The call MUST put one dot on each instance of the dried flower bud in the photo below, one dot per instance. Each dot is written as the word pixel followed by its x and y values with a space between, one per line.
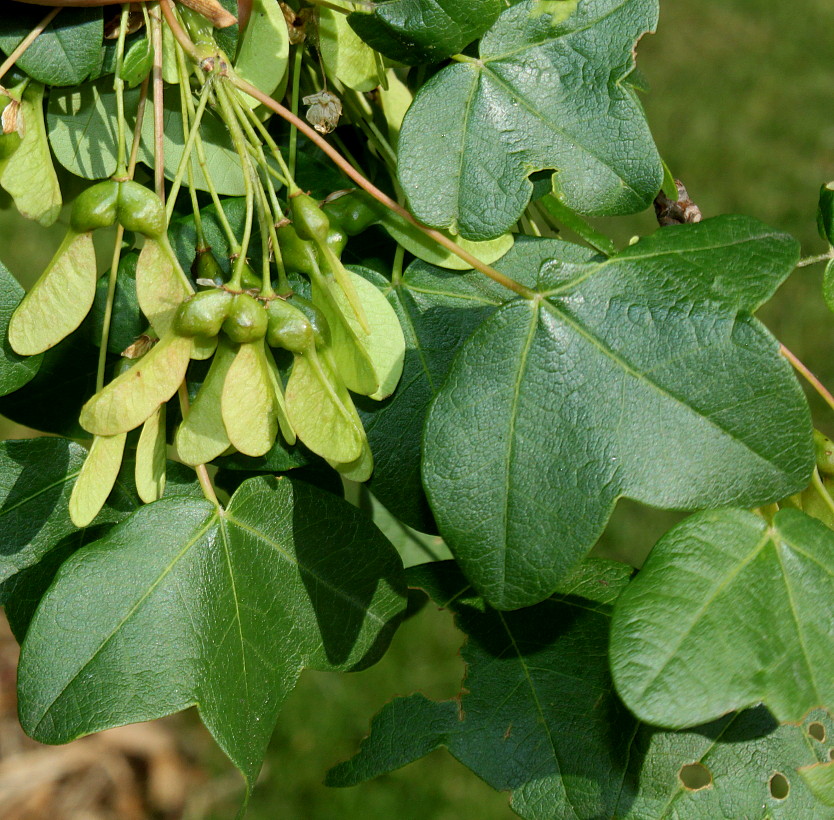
pixel 324 111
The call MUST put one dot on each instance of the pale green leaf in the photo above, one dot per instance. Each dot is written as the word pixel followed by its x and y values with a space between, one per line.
pixel 345 56
pixel 729 611
pixel 264 51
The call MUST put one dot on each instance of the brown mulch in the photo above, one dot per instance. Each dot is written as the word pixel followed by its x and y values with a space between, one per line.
pixel 137 772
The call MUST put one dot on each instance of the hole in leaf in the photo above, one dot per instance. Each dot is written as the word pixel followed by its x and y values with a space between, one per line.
pixel 779 786
pixel 831 754
pixel 695 776
pixel 817 731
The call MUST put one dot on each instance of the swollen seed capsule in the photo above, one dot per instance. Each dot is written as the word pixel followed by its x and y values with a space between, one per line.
pixel 288 327
pixel 309 220
pixel 204 313
pixel 352 212
pixel 321 330
pixel 297 254
pixel 207 267
pixel 140 210
pixel 96 207
pixel 249 279
pixel 246 321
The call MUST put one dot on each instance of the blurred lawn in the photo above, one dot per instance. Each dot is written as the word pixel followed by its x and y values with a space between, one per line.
pixel 740 104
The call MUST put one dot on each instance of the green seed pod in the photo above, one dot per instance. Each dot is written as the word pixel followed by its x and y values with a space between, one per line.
pixel 309 220
pixel 246 321
pixel 336 240
pixel 250 280
pixel 96 207
pixel 297 254
pixel 321 330
pixel 353 212
pixel 288 327
pixel 204 313
pixel 824 449
pixel 206 266
pixel 140 210
pixel 825 213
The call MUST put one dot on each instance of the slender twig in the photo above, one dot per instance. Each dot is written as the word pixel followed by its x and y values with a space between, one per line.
pixel 239 142
pixel 813 260
pixel 117 243
pixel 119 88
pixel 231 239
pixel 296 85
pixel 336 157
pixel 26 42
pixel 808 376
pixel 158 102
pixel 185 159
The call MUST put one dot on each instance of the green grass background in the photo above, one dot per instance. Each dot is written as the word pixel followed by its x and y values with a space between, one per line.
pixel 741 102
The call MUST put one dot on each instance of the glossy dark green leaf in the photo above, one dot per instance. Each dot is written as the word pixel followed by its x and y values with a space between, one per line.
pixel 437 311
pixel 424 31
pixel 36 479
pixel 539 718
pixel 52 400
pixel 21 592
pixel 65 53
pixel 15 370
pixel 547 91
pixel 219 610
pixel 641 375
pixel 729 611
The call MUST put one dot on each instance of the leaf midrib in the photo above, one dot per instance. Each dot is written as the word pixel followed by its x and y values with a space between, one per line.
pixel 632 371
pixel 212 520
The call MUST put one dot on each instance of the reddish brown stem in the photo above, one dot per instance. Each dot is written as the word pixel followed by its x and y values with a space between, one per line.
pixel 808 376
pixel 345 166
pixel 210 9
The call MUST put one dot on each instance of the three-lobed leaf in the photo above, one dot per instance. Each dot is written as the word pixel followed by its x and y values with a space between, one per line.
pixel 539 717
pixel 640 375
pixel 546 92
pixel 218 609
pixel 729 611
